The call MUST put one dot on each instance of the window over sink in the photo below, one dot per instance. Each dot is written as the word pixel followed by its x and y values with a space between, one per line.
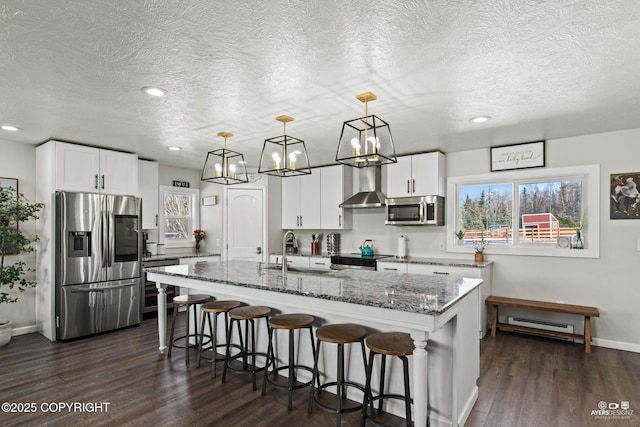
pixel 179 216
pixel 526 212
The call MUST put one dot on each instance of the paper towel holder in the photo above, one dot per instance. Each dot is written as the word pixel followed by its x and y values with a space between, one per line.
pixel 402 247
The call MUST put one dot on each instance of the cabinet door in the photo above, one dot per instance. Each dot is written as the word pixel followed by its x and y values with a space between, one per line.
pixel 77 167
pixel 118 173
pixel 298 261
pixel 320 263
pixel 335 184
pixel 310 200
pixel 148 190
pixel 290 203
pixel 399 178
pixel 428 174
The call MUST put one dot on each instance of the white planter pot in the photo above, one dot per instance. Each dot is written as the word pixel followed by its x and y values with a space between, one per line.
pixel 5 332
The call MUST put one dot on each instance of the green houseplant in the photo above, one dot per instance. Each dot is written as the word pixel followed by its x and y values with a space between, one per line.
pixel 14 209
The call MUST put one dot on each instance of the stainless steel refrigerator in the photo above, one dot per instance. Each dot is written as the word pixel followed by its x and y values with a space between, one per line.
pixel 98 263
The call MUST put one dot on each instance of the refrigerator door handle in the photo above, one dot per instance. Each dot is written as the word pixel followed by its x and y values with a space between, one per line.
pixel 107 288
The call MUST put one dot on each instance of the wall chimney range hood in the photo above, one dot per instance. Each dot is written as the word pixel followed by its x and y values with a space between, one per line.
pixel 370 194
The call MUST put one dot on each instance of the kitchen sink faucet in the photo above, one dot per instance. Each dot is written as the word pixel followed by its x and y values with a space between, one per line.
pixel 284 250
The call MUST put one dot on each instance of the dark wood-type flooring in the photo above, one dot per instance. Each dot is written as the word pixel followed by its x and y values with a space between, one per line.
pixel 525 381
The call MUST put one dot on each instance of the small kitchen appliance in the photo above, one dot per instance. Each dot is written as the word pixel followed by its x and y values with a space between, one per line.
pixel 366 250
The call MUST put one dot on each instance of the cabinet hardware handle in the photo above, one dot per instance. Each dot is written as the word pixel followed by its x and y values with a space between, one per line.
pixel 297 220
pixel 102 182
pixel 96 182
pixel 391 269
pixel 408 187
pixel 414 186
pixel 156 220
pixel 320 263
pixel 300 220
pixel 440 272
pixel 339 220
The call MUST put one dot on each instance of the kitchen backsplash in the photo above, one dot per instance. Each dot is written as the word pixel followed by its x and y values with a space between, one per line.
pixel 369 224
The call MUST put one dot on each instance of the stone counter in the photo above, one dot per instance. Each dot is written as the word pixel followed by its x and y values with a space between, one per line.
pixel 415 293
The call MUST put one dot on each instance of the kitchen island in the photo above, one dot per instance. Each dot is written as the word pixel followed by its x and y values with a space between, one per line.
pixel 440 313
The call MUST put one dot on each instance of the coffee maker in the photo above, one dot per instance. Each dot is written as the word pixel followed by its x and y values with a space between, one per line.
pixel 145 240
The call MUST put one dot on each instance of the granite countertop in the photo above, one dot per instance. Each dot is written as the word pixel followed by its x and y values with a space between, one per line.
pixel 414 293
pixel 449 262
pixel 189 254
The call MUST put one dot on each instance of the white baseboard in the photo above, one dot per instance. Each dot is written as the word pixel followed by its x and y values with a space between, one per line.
pixel 468 406
pixel 23 330
pixel 617 345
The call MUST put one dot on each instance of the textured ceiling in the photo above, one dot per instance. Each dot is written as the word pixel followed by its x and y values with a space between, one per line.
pixel 73 69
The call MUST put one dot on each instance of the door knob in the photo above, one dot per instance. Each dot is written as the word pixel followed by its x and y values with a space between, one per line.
pixel 259 250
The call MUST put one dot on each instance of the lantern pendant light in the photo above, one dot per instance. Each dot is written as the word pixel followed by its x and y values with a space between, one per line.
pixel 284 155
pixel 366 141
pixel 224 166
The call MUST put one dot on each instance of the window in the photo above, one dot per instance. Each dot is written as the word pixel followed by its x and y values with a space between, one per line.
pixel 179 215
pixel 526 212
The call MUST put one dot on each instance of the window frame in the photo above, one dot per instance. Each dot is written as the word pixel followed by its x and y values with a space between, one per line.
pixel 590 174
pixel 194 194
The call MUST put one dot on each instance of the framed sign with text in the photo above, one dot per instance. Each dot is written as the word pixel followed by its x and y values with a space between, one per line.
pixel 517 156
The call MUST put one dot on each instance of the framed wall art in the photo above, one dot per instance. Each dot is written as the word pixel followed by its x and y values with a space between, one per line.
pixel 624 198
pixel 517 156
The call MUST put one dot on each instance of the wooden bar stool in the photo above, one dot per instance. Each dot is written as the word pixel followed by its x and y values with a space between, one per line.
pixel 340 334
pixel 249 314
pixel 191 300
pixel 214 308
pixel 386 344
pixel 288 322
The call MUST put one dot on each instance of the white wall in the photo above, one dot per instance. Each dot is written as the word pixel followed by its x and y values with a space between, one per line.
pixel 19 161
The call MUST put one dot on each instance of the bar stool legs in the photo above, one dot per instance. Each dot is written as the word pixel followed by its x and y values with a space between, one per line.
pixel 387 344
pixel 289 322
pixel 190 301
pixel 214 308
pixel 339 334
pixel 249 314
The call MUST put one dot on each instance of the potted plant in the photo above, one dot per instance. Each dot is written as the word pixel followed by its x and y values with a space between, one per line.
pixel 14 209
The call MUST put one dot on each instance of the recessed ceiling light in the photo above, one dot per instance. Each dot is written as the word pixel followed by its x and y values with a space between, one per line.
pixel 175 148
pixel 480 119
pixel 154 91
pixel 10 128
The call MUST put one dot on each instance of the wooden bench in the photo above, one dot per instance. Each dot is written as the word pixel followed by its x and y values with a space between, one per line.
pixel 587 312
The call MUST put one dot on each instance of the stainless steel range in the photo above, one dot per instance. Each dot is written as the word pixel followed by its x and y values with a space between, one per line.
pixel 356 261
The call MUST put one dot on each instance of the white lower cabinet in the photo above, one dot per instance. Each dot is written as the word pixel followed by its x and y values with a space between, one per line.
pixel 302 261
pixel 431 269
pixel 197 259
pixel 392 267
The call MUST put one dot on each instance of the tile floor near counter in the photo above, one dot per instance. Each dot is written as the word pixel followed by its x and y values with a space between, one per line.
pixel 525 382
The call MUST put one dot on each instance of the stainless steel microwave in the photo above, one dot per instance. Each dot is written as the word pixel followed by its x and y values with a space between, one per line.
pixel 423 210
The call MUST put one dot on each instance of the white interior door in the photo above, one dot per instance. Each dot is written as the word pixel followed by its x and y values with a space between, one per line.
pixel 245 222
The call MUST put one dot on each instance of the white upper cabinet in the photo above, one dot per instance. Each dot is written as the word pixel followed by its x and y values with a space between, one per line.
pixel 311 202
pixel 417 175
pixel 336 184
pixel 148 191
pixel 89 169
pixel 301 201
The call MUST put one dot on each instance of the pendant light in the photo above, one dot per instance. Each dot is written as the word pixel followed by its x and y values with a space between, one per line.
pixel 284 155
pixel 366 141
pixel 224 166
